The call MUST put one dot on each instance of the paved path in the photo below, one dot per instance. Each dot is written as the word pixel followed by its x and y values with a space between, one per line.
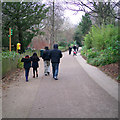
pixel 75 95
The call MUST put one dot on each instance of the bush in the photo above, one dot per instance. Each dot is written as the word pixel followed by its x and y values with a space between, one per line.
pixel 63 49
pixel 9 61
pixel 11 55
pixel 62 43
pixel 84 51
pixel 93 54
pixel 20 64
pixel 101 37
pixel 102 45
pixel 88 41
pixel 101 59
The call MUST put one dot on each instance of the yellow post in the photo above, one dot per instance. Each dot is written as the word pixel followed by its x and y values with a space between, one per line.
pixel 9 39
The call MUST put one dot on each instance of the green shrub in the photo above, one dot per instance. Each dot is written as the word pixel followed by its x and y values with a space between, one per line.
pixel 93 54
pixel 101 37
pixel 102 45
pixel 62 43
pixel 10 55
pixel 20 64
pixel 102 59
pixel 63 49
pixel 84 51
pixel 88 41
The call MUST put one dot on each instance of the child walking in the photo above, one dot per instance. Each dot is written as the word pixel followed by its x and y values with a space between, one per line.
pixel 27 65
pixel 35 65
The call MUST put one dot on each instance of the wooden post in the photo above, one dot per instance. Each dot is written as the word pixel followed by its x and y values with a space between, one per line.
pixel 10 39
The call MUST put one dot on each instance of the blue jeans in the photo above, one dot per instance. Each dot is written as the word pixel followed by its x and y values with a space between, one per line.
pixel 55 67
pixel 27 73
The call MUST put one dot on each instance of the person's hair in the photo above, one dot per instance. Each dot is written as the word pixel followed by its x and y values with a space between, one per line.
pixel 46 48
pixel 55 46
pixel 27 56
pixel 34 56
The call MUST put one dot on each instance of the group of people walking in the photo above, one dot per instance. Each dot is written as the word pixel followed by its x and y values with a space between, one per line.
pixel 75 50
pixel 53 55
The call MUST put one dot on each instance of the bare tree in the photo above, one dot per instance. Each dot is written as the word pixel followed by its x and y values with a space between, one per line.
pixel 58 21
pixel 101 11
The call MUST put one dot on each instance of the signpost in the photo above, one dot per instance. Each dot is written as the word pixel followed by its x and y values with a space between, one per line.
pixel 10 39
pixel 10 33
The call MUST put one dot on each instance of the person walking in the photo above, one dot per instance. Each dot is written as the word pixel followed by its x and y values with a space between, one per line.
pixel 74 47
pixel 46 58
pixel 35 65
pixel 27 65
pixel 70 49
pixel 74 50
pixel 77 48
pixel 55 56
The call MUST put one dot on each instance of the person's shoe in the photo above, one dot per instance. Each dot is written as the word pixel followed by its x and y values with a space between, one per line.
pixel 37 75
pixel 55 78
pixel 46 74
pixel 26 80
pixel 34 76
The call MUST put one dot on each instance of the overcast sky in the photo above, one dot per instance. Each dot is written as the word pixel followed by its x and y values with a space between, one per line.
pixel 73 17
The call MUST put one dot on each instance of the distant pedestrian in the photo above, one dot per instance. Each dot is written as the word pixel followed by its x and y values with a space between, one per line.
pixel 35 65
pixel 55 56
pixel 46 58
pixel 27 65
pixel 74 47
pixel 74 50
pixel 77 48
pixel 70 49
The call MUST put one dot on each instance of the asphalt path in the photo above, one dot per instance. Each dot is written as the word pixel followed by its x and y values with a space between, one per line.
pixel 76 94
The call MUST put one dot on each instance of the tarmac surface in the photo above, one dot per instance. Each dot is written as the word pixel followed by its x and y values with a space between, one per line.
pixel 81 91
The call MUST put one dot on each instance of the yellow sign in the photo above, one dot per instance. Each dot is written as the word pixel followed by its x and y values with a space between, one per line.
pixel 18 46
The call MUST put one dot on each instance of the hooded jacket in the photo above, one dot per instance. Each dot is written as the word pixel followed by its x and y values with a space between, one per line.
pixel 27 62
pixel 46 54
pixel 55 54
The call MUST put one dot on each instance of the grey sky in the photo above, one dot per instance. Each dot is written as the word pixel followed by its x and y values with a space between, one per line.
pixel 74 18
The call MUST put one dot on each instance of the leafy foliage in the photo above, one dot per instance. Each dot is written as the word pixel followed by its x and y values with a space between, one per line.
pixel 101 45
pixel 62 43
pixel 24 18
pixel 82 29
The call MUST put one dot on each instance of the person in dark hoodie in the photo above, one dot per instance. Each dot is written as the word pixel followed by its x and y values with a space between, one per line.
pixel 70 49
pixel 27 65
pixel 35 65
pixel 55 56
pixel 46 58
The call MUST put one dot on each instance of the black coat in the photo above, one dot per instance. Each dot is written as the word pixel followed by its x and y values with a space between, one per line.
pixel 70 48
pixel 46 55
pixel 35 62
pixel 27 62
pixel 55 55
pixel 74 47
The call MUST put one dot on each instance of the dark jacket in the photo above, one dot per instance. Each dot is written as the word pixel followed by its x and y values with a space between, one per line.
pixel 55 54
pixel 35 61
pixel 70 48
pixel 46 55
pixel 74 47
pixel 27 62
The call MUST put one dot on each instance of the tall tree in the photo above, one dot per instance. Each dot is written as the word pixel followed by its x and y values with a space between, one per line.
pixel 24 18
pixel 103 12
pixel 82 29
